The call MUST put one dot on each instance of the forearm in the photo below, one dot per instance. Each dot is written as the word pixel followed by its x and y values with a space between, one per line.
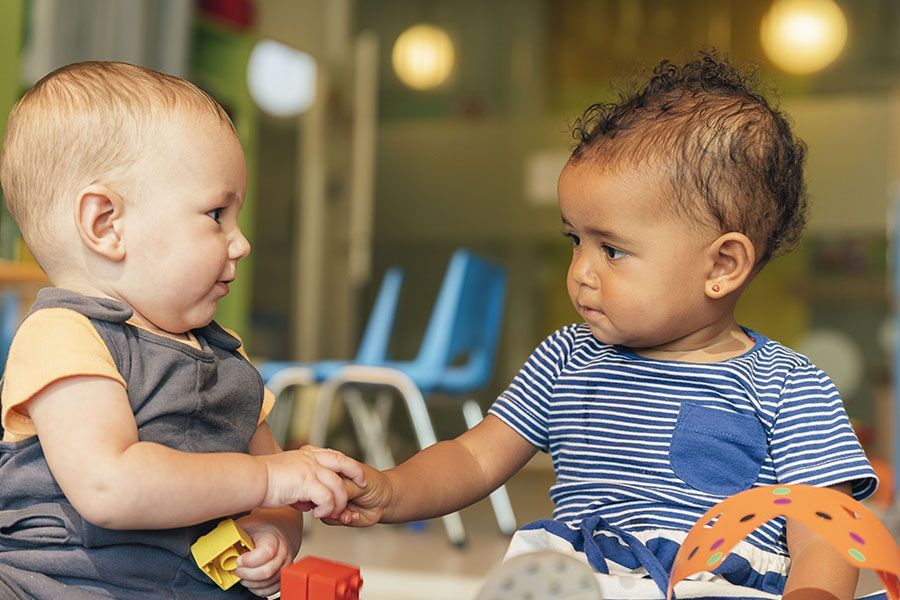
pixel 150 486
pixel 451 475
pixel 818 571
pixel 441 479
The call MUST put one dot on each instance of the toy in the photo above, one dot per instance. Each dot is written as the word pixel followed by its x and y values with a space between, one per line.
pixel 216 552
pixel 841 521
pixel 314 578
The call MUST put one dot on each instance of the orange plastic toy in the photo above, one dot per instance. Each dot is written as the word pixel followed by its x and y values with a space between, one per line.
pixel 841 521
pixel 313 578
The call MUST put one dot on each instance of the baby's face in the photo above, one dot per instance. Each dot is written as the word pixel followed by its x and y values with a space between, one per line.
pixel 181 234
pixel 637 272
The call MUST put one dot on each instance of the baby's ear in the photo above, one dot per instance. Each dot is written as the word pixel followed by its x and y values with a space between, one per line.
pixel 732 259
pixel 98 216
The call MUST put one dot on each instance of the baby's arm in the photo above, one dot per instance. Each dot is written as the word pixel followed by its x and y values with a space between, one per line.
pixel 90 439
pixel 441 478
pixel 818 571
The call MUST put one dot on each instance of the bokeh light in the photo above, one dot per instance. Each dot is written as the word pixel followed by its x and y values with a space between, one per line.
pixel 423 57
pixel 803 36
pixel 282 80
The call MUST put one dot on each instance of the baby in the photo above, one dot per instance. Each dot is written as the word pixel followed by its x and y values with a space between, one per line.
pixel 659 404
pixel 132 422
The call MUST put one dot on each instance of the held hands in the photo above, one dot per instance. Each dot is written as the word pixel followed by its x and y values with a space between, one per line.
pixel 311 478
pixel 367 505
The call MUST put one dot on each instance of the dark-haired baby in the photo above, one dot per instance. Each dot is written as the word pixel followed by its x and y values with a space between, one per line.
pixel 660 404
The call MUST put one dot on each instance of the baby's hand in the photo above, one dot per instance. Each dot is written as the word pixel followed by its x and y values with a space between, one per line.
pixel 365 505
pixel 310 478
pixel 260 568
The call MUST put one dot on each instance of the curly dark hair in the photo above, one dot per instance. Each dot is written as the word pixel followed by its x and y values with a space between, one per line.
pixel 730 157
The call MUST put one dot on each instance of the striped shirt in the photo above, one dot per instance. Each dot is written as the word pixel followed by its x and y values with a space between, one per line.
pixel 652 445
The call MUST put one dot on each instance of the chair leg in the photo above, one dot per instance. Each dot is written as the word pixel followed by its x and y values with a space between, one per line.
pixel 381 418
pixel 503 509
pixel 384 403
pixel 322 411
pixel 370 429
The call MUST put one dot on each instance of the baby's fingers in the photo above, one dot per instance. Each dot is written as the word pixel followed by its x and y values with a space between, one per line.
pixel 260 555
pixel 340 463
pixel 352 488
pixel 335 485
pixel 348 517
pixel 259 569
pixel 322 498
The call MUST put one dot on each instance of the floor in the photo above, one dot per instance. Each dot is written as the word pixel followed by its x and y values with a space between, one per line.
pixel 404 562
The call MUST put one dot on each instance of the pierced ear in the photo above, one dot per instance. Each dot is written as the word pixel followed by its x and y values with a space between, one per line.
pixel 98 217
pixel 733 259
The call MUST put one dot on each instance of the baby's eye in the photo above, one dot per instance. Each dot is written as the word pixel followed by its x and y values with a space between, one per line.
pixel 215 214
pixel 613 253
pixel 576 241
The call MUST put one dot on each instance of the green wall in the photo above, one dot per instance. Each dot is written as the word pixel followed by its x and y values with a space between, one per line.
pixel 219 65
pixel 10 47
pixel 12 16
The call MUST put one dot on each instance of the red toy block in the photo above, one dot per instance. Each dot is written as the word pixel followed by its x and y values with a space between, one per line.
pixel 314 578
pixel 295 577
pixel 335 582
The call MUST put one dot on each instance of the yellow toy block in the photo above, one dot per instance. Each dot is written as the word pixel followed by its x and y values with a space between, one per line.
pixel 216 553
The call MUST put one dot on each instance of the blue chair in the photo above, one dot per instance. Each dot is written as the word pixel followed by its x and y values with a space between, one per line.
pixel 278 376
pixel 456 358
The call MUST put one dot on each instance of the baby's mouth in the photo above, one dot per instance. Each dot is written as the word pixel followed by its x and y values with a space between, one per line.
pixel 588 311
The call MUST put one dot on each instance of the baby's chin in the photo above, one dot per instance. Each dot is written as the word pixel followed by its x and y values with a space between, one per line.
pixel 183 327
pixel 619 339
pixel 604 337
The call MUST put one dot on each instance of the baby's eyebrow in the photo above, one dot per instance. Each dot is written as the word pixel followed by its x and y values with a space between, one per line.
pixel 607 235
pixel 228 197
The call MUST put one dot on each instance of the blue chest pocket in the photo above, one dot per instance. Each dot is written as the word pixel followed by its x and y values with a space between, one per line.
pixel 717 452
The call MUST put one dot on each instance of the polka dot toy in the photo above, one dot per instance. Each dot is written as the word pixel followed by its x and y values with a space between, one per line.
pixel 839 519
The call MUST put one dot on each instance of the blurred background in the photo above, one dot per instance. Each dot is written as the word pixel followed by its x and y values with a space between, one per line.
pixel 392 132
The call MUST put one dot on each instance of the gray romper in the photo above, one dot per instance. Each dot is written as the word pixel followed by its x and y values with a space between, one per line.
pixel 206 400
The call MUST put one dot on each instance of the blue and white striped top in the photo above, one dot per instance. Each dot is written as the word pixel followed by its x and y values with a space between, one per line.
pixel 651 445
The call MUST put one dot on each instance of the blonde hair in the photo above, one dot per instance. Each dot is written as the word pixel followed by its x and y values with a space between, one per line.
pixel 84 123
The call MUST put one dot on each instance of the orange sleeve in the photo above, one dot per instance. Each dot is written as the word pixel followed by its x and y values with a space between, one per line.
pixel 268 403
pixel 51 344
pixel 268 397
